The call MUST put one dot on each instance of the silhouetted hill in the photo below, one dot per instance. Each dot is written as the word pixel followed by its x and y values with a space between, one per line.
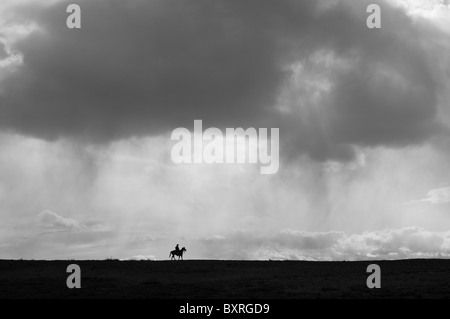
pixel 224 279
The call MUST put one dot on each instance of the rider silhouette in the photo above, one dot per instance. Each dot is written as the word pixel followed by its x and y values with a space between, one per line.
pixel 177 248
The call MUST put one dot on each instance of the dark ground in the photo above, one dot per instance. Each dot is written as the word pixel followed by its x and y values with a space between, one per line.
pixel 224 279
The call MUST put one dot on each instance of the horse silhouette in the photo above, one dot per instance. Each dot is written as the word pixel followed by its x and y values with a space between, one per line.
pixel 178 253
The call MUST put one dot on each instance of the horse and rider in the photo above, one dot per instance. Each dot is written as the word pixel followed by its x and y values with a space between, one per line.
pixel 177 252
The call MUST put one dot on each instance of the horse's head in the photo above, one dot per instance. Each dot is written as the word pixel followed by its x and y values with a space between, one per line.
pixel 183 249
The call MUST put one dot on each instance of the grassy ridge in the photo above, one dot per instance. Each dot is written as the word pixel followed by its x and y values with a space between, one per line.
pixel 224 279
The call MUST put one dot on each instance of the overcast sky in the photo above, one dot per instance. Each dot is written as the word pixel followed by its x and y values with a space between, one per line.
pixel 86 117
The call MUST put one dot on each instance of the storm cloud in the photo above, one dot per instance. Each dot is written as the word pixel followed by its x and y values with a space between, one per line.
pixel 143 68
pixel 86 118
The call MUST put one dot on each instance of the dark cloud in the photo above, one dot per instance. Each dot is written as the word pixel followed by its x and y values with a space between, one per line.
pixel 3 53
pixel 146 67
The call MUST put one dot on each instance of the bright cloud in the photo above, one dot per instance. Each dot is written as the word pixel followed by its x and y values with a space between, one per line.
pixel 437 196
pixel 435 11
pixel 387 244
pixel 51 219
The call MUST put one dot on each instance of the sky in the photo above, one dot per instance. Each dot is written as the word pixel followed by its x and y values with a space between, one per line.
pixel 86 117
